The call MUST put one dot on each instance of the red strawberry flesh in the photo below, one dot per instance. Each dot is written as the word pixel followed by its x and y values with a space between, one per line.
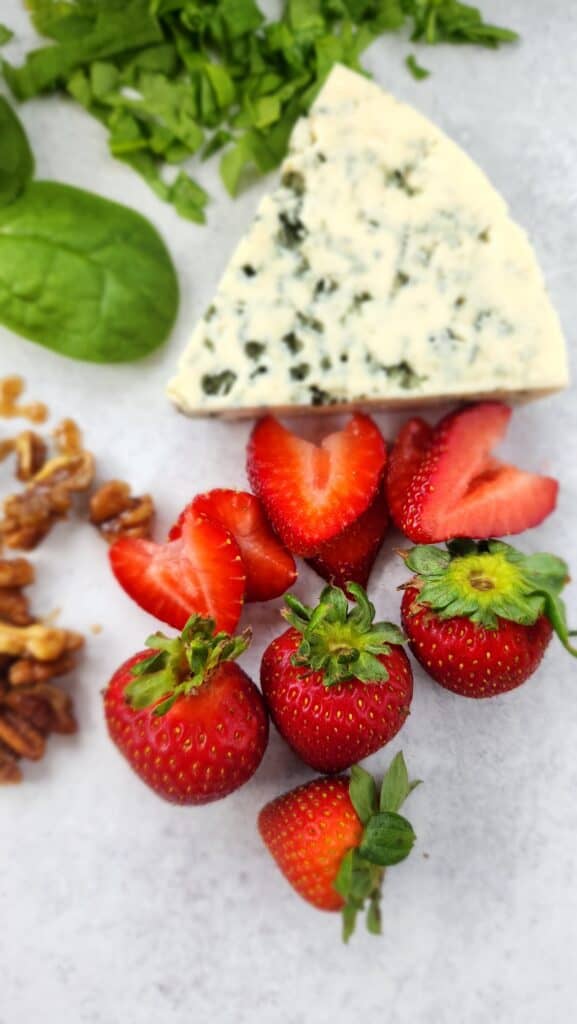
pixel 460 490
pixel 199 572
pixel 270 568
pixel 311 493
pixel 351 555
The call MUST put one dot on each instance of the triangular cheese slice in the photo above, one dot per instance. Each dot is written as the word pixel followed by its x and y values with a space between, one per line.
pixel 385 270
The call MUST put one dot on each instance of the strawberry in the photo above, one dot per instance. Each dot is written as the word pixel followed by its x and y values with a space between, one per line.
pixel 350 556
pixel 270 569
pixel 479 616
pixel 404 461
pixel 338 686
pixel 458 489
pixel 332 839
pixel 201 571
pixel 187 718
pixel 311 493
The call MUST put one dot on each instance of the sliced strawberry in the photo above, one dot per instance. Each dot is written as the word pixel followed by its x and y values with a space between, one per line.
pixel 349 557
pixel 310 492
pixel 404 461
pixel 270 568
pixel 200 572
pixel 460 490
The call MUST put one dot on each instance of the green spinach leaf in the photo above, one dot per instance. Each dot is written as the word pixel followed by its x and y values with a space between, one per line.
pixel 16 160
pixel 84 276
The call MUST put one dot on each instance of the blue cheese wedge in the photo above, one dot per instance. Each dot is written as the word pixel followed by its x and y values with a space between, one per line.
pixel 384 270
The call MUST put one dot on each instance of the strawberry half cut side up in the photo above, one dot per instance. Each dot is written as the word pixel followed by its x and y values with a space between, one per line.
pixel 200 572
pixel 270 568
pixel 185 715
pixel 333 838
pixel 460 490
pixel 351 556
pixel 310 492
pixel 479 615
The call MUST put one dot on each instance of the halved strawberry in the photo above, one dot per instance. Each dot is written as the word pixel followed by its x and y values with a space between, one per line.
pixel 349 557
pixel 460 490
pixel 310 492
pixel 201 572
pixel 404 461
pixel 270 568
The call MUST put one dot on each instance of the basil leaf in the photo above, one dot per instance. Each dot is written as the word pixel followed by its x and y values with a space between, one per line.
pixel 16 160
pixel 84 276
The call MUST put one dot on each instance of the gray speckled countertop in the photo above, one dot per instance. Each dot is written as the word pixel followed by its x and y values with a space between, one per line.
pixel 118 909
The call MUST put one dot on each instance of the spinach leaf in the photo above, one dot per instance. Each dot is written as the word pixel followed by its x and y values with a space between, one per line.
pixel 175 79
pixel 84 276
pixel 16 160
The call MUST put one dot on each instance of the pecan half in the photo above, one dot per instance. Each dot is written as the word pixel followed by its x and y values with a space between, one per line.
pixel 25 671
pixel 30 515
pixel 116 513
pixel 14 608
pixel 42 643
pixel 16 572
pixel 19 736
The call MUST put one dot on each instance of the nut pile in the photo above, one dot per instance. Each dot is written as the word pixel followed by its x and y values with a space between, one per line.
pixel 32 655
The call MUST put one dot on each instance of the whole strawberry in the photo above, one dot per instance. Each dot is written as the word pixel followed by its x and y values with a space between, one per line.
pixel 333 838
pixel 337 684
pixel 479 616
pixel 188 720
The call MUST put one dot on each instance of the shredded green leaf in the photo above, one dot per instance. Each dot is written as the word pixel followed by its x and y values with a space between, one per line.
pixel 175 79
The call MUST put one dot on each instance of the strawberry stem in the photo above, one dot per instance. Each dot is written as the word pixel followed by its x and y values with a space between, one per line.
pixel 387 839
pixel 489 580
pixel 341 642
pixel 180 665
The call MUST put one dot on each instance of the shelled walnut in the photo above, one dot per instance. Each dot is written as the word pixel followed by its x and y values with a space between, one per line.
pixel 30 514
pixel 116 513
pixel 32 654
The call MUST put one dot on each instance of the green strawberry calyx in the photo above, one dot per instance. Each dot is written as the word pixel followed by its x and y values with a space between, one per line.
pixel 180 665
pixel 387 839
pixel 489 580
pixel 340 642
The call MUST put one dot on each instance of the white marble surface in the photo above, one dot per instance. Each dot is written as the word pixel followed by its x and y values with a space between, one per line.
pixel 118 909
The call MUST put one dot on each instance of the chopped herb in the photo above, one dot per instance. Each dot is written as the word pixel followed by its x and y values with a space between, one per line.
pixel 258 372
pixel 416 69
pixel 218 383
pixel 174 79
pixel 254 349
